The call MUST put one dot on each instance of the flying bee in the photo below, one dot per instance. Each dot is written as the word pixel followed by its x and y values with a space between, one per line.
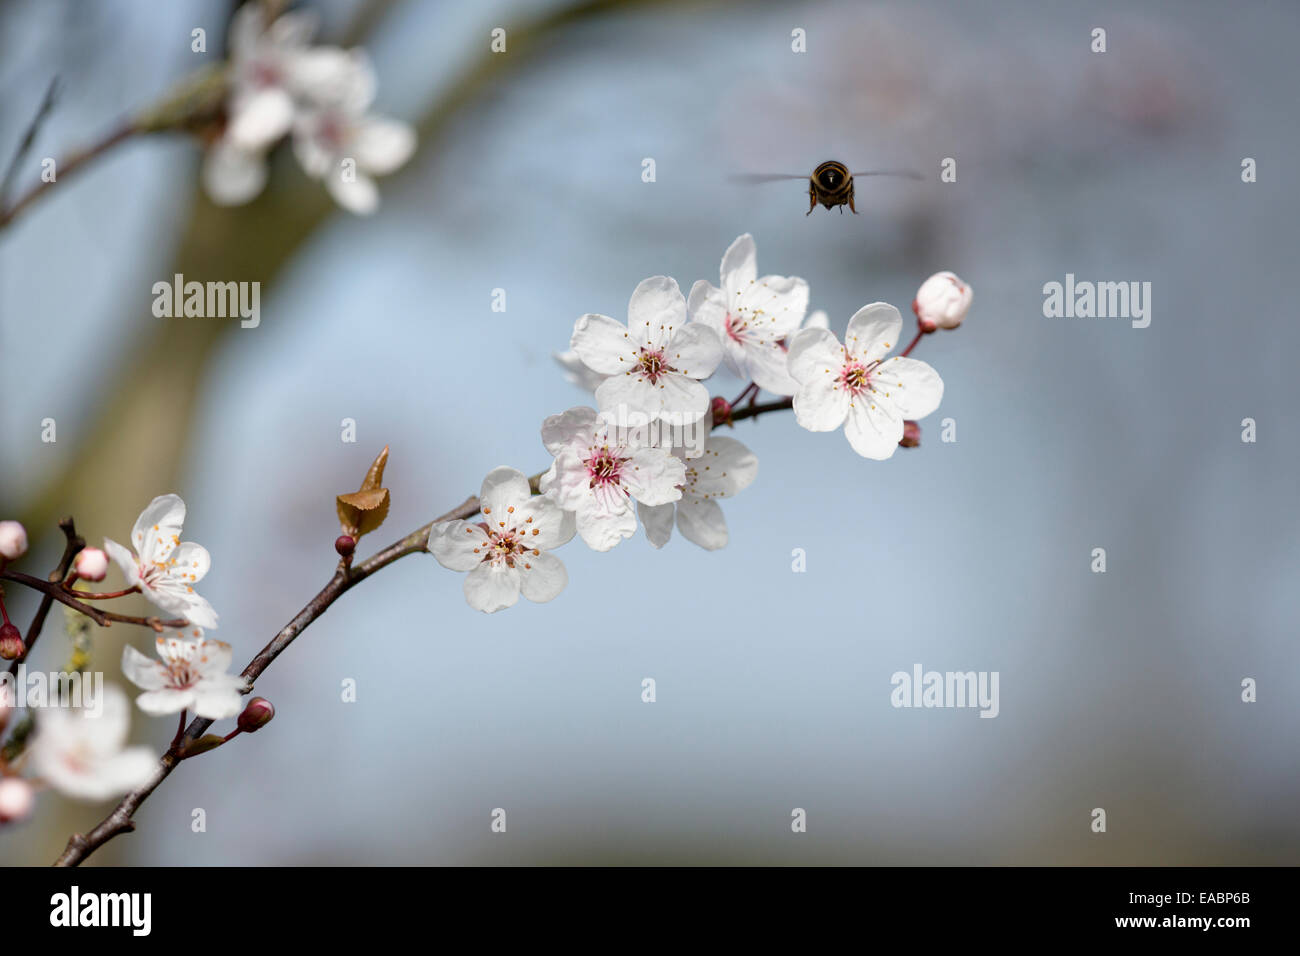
pixel 830 184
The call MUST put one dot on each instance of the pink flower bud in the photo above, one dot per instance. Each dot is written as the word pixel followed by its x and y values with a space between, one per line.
pixel 11 643
pixel 256 715
pixel 942 302
pixel 345 544
pixel 911 434
pixel 16 799
pixel 91 564
pixel 721 409
pixel 13 540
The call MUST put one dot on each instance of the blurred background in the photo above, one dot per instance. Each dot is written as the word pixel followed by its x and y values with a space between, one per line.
pixel 1118 690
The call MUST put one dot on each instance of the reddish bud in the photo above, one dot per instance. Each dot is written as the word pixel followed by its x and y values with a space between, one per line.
pixel 11 643
pixel 911 435
pixel 345 544
pixel 256 715
pixel 721 411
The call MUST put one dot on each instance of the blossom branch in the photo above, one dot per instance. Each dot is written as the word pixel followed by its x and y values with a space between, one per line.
pixel 54 591
pixel 119 820
pixel 69 165
pixel 73 544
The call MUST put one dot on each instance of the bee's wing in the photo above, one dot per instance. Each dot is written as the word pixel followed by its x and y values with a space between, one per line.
pixel 763 177
pixel 905 173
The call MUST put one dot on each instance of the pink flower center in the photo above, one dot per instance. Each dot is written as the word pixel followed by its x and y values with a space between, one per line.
pixel 735 328
pixel 181 675
pixel 604 468
pixel 506 542
pixel 265 74
pixel 653 364
pixel 856 377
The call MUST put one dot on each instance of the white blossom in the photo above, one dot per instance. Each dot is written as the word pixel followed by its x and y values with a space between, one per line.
pixel 725 468
pixel 506 553
pixel 164 568
pixel 190 674
pixel 600 471
pixel 81 752
pixel 653 363
pixel 854 385
pixel 752 316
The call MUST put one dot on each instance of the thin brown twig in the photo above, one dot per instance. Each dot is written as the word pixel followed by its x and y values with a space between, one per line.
pixel 73 543
pixel 69 165
pixel 28 138
pixel 120 819
pixel 54 590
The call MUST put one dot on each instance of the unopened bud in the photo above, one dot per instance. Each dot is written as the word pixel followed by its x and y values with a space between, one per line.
pixel 256 715
pixel 345 544
pixel 911 435
pixel 11 643
pixel 91 564
pixel 721 409
pixel 13 540
pixel 942 302
pixel 16 799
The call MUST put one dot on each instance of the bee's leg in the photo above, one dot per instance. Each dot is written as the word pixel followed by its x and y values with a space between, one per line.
pixel 851 206
pixel 812 201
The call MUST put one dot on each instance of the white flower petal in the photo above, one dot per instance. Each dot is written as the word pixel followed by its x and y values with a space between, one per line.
pixel 629 398
pixel 774 306
pixel 871 431
pixel 542 577
pixel 872 332
pixel 684 400
pixel 769 367
pixel 695 351
pixel 652 476
pixel 700 520
pixel 212 659
pixel 739 264
pixel 454 544
pixel 190 562
pixel 157 530
pixel 124 560
pixel 357 192
pixel 218 698
pixel 821 406
pixel 381 145
pixel 657 308
pixel 911 385
pixel 814 354
pixel 260 118
pixel 726 468
pixel 167 700
pixel 565 428
pixel 602 528
pixel 657 521
pixel 603 344
pixel 232 176
pixel 503 488
pixel 145 672
pixel 492 587
pixel 554 525
pixel 576 371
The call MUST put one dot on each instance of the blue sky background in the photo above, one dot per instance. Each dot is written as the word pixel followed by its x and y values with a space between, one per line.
pixel 1118 690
